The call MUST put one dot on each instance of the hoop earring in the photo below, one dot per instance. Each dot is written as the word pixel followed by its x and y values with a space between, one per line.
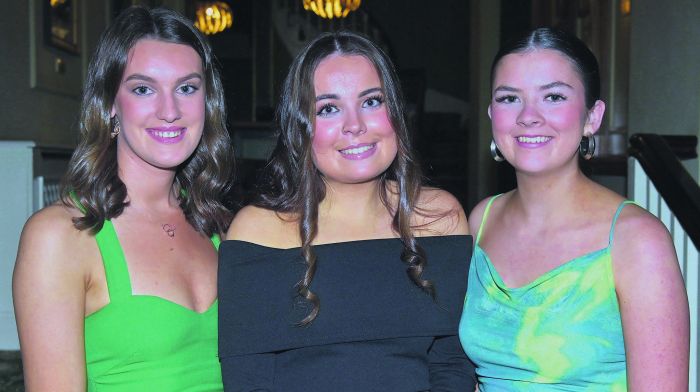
pixel 116 129
pixel 587 147
pixel 495 152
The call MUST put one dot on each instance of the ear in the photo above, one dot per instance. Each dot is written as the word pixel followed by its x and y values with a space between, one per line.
pixel 594 118
pixel 112 112
pixel 489 111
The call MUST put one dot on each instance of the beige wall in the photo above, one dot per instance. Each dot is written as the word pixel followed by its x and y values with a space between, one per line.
pixel 665 68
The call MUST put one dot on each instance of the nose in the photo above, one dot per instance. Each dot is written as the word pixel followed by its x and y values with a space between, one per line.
pixel 354 124
pixel 168 108
pixel 529 116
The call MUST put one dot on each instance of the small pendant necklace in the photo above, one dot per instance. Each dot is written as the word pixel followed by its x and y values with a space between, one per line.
pixel 169 229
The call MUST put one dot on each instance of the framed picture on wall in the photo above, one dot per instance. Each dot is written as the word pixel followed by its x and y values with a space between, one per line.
pixel 55 53
pixel 62 24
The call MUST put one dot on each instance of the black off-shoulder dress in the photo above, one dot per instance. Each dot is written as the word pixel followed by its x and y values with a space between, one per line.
pixel 376 330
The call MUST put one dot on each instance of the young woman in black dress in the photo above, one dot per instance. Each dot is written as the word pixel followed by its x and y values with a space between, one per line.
pixel 345 273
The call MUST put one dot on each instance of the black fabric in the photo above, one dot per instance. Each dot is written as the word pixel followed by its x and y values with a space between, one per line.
pixel 376 329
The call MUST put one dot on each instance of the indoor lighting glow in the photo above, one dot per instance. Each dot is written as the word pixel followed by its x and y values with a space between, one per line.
pixel 213 17
pixel 330 9
pixel 625 7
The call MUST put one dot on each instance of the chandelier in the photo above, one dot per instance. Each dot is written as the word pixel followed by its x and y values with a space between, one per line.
pixel 213 17
pixel 330 9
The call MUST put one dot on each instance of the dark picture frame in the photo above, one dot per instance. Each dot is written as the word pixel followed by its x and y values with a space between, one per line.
pixel 56 62
pixel 62 24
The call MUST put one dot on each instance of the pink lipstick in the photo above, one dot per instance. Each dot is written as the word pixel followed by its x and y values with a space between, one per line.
pixel 166 135
pixel 358 151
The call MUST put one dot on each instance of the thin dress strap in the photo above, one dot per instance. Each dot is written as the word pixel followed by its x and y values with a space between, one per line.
pixel 116 271
pixel 486 214
pixel 617 214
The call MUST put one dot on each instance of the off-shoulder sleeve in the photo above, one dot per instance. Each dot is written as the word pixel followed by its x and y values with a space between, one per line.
pixel 367 305
pixel 248 373
pixel 450 369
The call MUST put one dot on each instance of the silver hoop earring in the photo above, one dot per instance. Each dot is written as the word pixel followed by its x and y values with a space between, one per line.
pixel 587 147
pixel 495 152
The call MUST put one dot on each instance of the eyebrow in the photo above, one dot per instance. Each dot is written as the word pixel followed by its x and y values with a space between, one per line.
pixel 507 89
pixel 361 94
pixel 137 76
pixel 369 91
pixel 555 84
pixel 542 88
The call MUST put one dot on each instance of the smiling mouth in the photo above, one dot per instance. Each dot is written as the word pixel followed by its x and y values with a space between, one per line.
pixel 534 139
pixel 167 134
pixel 357 150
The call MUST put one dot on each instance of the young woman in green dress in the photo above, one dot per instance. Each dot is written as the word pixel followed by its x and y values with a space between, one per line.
pixel 115 286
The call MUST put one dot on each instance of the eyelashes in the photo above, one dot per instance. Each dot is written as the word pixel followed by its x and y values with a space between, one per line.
pixel 506 99
pixel 377 99
pixel 184 89
pixel 372 102
pixel 141 90
pixel 553 98
pixel 188 89
pixel 326 109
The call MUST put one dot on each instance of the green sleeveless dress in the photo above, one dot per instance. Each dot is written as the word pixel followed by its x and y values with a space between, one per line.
pixel 144 342
pixel 561 332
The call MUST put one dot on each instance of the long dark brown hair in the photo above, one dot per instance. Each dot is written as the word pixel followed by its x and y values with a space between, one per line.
pixel 92 176
pixel 290 183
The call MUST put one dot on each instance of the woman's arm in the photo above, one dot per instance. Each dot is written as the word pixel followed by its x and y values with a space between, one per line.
pixel 49 289
pixel 653 303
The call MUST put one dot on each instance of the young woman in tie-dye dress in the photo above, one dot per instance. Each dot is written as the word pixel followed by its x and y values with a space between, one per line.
pixel 571 288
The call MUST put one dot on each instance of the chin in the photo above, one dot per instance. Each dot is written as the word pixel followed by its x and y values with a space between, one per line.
pixel 354 180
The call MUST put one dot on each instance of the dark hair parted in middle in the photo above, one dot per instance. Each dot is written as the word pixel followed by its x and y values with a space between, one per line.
pixel 569 45
pixel 93 173
pixel 291 183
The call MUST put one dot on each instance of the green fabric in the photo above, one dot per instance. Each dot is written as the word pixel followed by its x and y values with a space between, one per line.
pixel 144 342
pixel 561 332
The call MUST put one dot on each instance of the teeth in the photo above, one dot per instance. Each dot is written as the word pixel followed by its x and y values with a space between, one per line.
pixel 358 150
pixel 536 139
pixel 167 134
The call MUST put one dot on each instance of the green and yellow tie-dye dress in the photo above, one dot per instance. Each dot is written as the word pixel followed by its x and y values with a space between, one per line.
pixel 561 332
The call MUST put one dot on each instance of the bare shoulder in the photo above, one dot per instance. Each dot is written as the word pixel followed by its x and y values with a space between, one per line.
pixel 52 228
pixel 477 214
pixel 642 251
pixel 52 253
pixel 641 241
pixel 49 238
pixel 262 226
pixel 438 212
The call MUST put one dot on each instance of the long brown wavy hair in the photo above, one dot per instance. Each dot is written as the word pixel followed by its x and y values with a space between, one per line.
pixel 291 183
pixel 92 176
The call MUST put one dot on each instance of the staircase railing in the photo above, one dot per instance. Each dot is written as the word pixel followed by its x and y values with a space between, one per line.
pixel 658 182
